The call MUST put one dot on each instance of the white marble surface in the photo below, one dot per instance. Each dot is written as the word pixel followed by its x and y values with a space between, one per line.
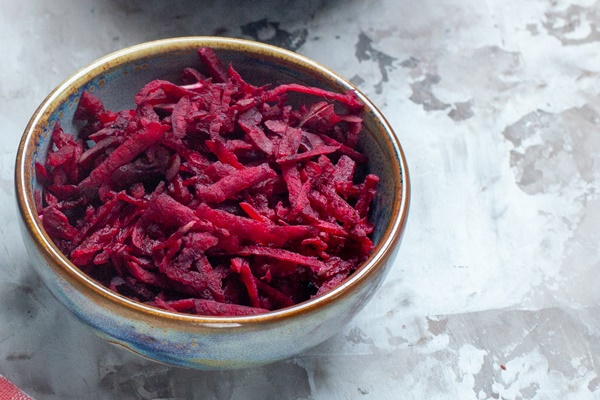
pixel 495 291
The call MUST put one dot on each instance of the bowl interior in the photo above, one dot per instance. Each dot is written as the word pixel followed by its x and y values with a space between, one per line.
pixel 118 77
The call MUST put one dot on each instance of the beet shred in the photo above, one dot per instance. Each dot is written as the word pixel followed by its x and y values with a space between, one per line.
pixel 213 196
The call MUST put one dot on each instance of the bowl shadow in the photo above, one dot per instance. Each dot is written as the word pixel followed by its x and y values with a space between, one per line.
pixel 282 24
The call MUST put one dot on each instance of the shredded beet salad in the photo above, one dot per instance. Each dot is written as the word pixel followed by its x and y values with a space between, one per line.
pixel 212 196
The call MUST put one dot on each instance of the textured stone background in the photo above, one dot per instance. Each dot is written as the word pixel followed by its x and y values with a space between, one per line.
pixel 494 293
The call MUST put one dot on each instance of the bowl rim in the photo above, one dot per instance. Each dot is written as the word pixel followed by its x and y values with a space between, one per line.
pixel 68 271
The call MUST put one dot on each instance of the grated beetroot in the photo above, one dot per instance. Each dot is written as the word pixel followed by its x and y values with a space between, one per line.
pixel 214 197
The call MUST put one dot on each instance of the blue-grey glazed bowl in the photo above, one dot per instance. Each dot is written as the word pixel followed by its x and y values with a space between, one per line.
pixel 198 341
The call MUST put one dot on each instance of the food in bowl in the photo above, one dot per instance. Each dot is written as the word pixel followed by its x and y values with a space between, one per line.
pixel 205 341
pixel 213 196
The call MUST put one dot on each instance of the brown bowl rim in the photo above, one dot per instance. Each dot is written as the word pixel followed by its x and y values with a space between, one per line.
pixel 96 291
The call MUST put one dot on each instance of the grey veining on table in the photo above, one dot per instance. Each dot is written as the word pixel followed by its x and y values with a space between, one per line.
pixel 495 291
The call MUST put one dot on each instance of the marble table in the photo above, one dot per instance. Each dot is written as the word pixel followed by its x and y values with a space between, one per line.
pixel 494 293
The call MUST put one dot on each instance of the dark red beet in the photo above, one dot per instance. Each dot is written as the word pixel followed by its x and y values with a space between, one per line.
pixel 249 122
pixel 215 197
pixel 213 64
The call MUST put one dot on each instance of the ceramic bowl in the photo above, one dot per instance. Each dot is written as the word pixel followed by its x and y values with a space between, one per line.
pixel 198 341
